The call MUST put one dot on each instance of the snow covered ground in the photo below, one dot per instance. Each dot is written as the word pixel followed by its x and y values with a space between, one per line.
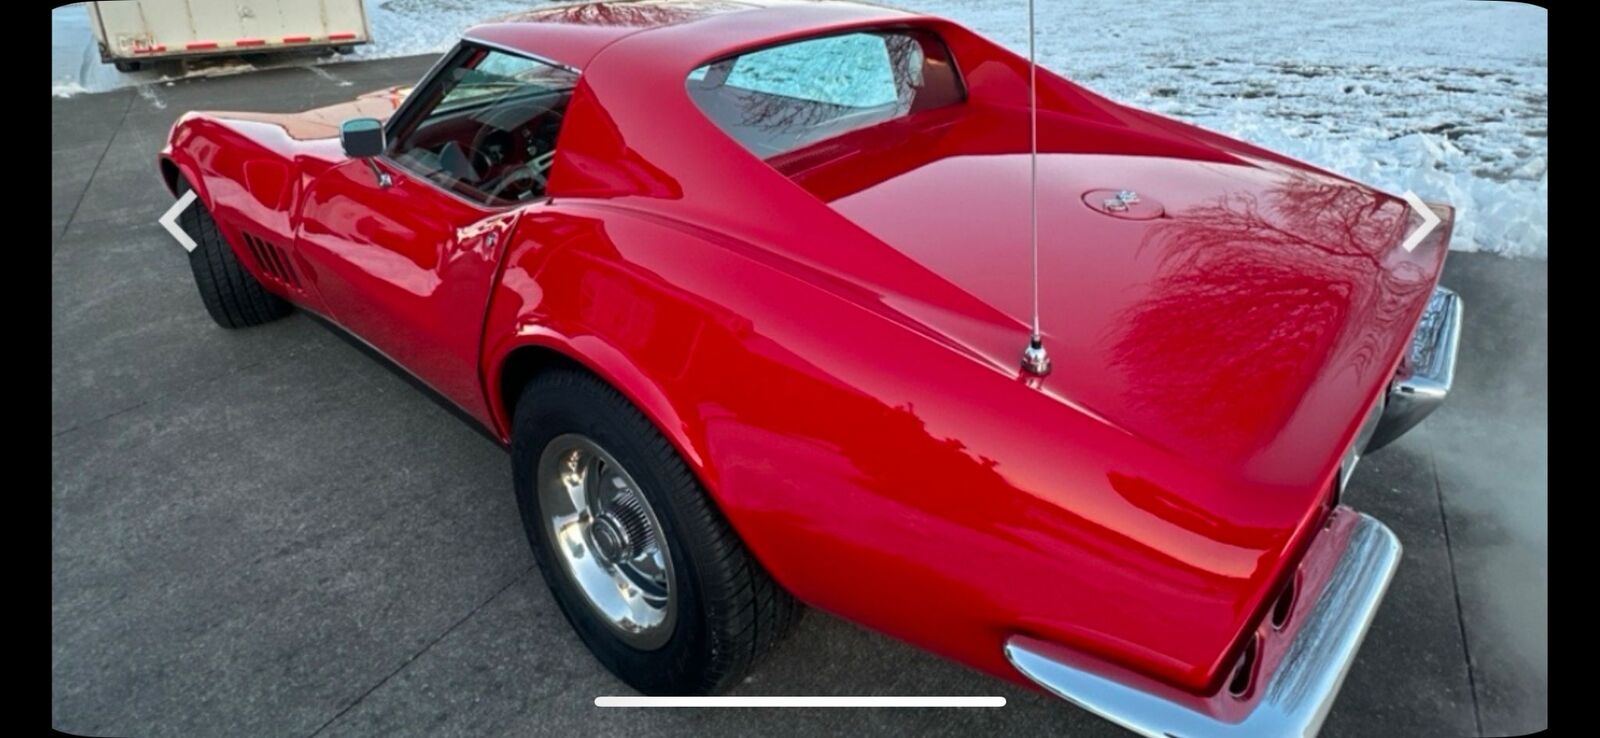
pixel 1448 98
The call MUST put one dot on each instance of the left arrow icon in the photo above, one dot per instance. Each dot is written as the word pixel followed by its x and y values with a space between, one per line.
pixel 169 221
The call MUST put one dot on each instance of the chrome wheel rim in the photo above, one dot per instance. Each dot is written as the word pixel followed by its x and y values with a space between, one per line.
pixel 608 539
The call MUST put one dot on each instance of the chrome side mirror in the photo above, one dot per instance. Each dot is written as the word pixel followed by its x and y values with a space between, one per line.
pixel 363 138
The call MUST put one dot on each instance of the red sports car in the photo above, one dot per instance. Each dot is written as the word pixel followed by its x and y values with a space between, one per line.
pixel 743 286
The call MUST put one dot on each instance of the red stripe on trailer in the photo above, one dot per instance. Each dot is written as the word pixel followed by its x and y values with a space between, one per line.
pixel 149 49
pixel 201 45
pixel 296 39
pixel 250 42
pixel 340 36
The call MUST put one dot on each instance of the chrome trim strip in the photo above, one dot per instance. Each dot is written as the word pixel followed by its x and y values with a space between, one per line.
pixel 403 108
pixel 1433 369
pixel 1298 694
pixel 522 53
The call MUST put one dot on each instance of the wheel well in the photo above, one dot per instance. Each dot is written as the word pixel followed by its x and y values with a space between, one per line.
pixel 169 174
pixel 521 366
pixel 526 363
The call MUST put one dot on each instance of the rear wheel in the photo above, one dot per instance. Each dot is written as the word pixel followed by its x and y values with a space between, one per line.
pixel 637 556
pixel 233 297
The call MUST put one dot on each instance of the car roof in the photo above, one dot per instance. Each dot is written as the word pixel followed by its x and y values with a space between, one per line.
pixel 573 34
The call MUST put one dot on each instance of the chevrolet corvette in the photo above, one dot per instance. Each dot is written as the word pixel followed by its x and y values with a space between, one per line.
pixel 742 286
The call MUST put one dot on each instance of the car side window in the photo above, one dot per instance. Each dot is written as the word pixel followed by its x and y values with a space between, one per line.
pixel 781 98
pixel 853 71
pixel 488 124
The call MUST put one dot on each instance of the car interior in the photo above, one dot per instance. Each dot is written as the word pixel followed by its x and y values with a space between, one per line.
pixel 490 134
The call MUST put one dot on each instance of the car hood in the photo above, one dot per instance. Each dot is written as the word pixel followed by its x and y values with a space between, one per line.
pixel 323 122
pixel 1243 312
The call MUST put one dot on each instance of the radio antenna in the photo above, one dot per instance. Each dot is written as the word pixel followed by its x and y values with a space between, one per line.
pixel 1035 360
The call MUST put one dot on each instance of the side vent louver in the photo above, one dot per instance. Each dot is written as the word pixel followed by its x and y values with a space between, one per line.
pixel 273 260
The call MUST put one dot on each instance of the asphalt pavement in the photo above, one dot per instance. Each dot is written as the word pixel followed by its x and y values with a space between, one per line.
pixel 263 532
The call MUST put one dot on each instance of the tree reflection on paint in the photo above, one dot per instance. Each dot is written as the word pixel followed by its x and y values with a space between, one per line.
pixel 1253 298
pixel 632 14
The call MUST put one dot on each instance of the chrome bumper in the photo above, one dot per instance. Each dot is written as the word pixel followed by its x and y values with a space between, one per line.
pixel 1299 691
pixel 1433 368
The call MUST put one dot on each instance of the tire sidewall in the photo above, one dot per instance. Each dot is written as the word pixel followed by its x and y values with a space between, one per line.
pixel 232 296
pixel 545 412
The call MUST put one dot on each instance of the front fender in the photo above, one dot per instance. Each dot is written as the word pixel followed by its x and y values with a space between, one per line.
pixel 178 154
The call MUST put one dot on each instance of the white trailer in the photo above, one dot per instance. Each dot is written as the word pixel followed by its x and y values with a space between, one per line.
pixel 132 32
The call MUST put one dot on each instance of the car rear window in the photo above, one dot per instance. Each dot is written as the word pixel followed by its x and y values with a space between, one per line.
pixel 782 98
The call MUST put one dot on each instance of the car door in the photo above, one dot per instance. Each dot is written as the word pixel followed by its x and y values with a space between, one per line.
pixel 405 247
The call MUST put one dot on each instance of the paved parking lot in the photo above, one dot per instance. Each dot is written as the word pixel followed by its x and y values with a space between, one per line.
pixel 263 532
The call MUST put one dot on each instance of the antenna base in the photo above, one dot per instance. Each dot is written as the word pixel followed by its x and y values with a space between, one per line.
pixel 1035 360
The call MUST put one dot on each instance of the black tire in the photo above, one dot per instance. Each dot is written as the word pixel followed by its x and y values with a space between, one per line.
pixel 729 611
pixel 128 66
pixel 231 294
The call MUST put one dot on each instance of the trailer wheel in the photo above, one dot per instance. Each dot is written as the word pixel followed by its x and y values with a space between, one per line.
pixel 126 66
pixel 344 50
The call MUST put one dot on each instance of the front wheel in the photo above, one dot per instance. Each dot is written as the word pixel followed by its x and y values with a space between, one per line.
pixel 233 296
pixel 637 556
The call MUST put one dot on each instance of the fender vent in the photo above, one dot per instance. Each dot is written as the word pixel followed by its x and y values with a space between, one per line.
pixel 274 262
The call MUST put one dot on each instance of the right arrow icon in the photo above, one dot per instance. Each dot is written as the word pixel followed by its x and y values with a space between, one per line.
pixel 1430 221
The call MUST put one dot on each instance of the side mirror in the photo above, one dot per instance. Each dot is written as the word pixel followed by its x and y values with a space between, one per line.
pixel 361 137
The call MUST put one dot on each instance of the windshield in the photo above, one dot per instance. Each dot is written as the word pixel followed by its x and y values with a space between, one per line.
pixel 499 75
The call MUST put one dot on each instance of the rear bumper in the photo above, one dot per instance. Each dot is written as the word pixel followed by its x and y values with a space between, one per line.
pixel 1432 363
pixel 1304 664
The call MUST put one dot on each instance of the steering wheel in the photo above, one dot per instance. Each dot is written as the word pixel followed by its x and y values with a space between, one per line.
pixel 535 172
pixel 523 173
pixel 485 141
